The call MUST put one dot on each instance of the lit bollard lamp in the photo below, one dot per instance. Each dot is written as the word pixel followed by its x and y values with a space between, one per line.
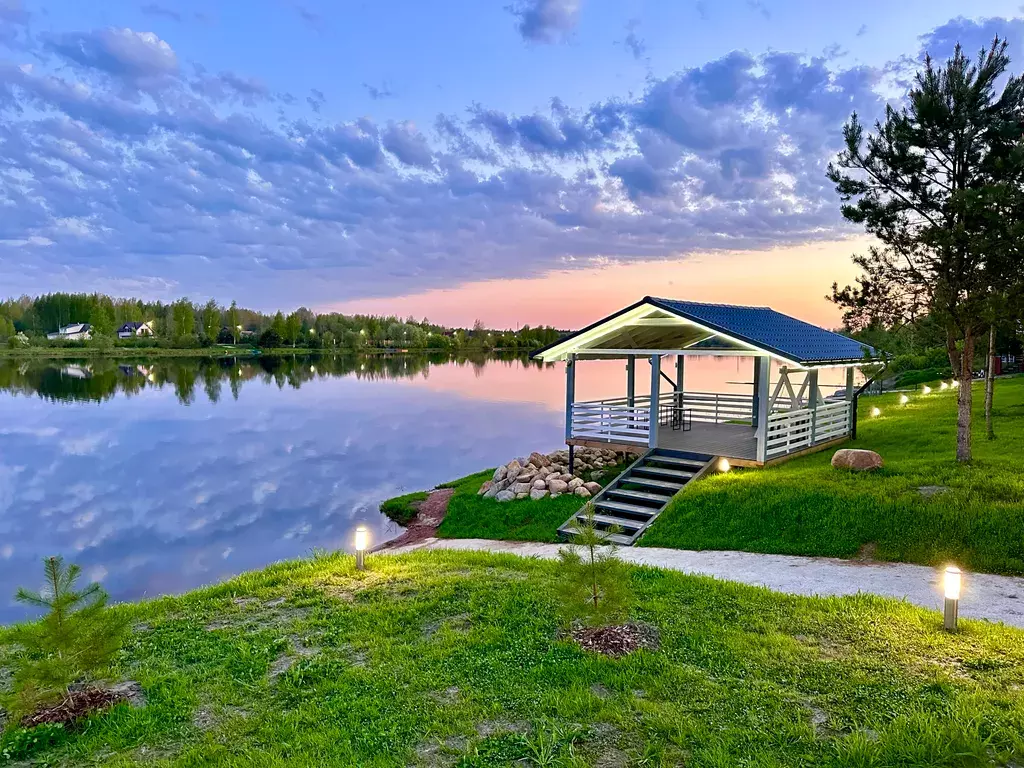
pixel 362 539
pixel 951 610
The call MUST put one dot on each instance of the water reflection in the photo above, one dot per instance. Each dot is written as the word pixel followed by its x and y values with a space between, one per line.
pixel 160 475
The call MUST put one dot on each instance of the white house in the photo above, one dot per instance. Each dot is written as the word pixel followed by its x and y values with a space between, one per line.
pixel 72 332
pixel 130 329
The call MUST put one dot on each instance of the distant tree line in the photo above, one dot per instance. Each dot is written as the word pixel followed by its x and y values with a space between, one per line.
pixel 186 324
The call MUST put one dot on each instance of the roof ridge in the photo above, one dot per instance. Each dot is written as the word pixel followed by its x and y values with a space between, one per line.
pixel 714 304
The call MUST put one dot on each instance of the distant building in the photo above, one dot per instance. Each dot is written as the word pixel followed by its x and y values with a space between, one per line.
pixel 130 329
pixel 72 332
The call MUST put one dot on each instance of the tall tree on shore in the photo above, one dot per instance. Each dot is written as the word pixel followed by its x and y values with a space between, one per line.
pixel 921 184
pixel 183 317
pixel 211 319
pixel 234 320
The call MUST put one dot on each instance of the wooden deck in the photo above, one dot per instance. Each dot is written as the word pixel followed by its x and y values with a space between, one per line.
pixel 736 442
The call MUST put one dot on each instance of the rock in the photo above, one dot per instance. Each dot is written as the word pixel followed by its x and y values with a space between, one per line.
pixel 543 472
pixel 485 488
pixel 555 495
pixel 513 468
pixel 540 483
pixel 492 492
pixel 538 493
pixel 582 492
pixel 518 488
pixel 499 474
pixel 566 476
pixel 593 487
pixel 856 459
pixel 505 495
pixel 539 459
pixel 525 477
pixel 574 483
pixel 522 495
pixel 556 485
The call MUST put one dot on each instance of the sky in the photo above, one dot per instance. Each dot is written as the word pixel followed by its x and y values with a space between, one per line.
pixel 532 161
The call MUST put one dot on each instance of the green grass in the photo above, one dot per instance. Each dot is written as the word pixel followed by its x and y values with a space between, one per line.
pixel 806 507
pixel 453 659
pixel 402 509
pixel 471 516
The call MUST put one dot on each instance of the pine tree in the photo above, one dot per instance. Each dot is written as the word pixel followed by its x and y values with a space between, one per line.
pixel 593 586
pixel 75 642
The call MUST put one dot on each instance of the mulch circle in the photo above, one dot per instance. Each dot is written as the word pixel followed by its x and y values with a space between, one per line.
pixel 619 640
pixel 77 705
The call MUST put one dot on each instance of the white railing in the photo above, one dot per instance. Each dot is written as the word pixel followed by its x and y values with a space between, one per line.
pixel 612 420
pixel 794 430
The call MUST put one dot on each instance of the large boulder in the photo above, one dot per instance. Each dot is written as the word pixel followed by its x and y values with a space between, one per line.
pixel 485 488
pixel 538 493
pixel 499 473
pixel 505 495
pixel 518 488
pixel 592 487
pixel 582 492
pixel 540 483
pixel 557 486
pixel 856 460
pixel 539 459
pixel 574 483
pixel 491 492
pixel 513 468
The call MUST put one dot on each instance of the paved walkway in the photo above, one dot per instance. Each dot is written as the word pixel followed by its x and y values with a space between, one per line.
pixel 995 598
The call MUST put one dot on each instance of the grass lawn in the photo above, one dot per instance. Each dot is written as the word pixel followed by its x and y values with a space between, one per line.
pixel 806 507
pixel 471 516
pixel 452 659
pixel 402 509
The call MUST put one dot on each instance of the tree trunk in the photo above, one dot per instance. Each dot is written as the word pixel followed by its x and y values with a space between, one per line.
pixel 990 382
pixel 965 399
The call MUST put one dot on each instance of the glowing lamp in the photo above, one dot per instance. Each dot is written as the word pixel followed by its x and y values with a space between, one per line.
pixel 904 399
pixel 926 389
pixel 955 384
pixel 876 411
pixel 312 369
pixel 362 539
pixel 951 583
pixel 943 385
pixel 723 465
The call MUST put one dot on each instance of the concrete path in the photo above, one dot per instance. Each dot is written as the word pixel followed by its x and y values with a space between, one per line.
pixel 995 598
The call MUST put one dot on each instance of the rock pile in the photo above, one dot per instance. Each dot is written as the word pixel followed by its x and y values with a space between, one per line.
pixel 543 475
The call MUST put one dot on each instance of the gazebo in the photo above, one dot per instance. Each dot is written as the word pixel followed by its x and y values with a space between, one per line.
pixel 684 433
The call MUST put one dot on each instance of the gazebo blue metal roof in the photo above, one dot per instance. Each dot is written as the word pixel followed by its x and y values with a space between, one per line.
pixel 711 328
pixel 773 331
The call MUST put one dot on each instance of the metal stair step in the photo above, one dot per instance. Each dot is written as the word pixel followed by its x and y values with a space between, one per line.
pixel 676 461
pixel 622 522
pixel 658 498
pixel 649 482
pixel 620 506
pixel 615 538
pixel 661 472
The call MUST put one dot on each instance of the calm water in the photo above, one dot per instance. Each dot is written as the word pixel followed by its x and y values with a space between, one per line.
pixel 161 476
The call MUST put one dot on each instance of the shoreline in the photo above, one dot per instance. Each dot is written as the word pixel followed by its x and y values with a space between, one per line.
pixel 63 353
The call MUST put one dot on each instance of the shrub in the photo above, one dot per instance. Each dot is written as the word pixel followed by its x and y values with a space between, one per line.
pixel 270 339
pixel 73 643
pixel 592 584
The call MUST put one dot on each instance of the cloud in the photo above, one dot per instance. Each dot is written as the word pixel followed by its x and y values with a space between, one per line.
pixel 155 9
pixel 973 36
pixel 383 91
pixel 633 42
pixel 138 58
pixel 546 21
pixel 189 190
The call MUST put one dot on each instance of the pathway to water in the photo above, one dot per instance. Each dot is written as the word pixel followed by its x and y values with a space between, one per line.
pixel 985 596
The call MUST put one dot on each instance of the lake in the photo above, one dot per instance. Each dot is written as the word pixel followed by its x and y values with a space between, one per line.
pixel 162 475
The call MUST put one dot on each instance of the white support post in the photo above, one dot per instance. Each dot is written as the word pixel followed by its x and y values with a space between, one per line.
pixel 631 381
pixel 812 400
pixel 754 409
pixel 652 436
pixel 763 374
pixel 851 428
pixel 570 393
pixel 680 387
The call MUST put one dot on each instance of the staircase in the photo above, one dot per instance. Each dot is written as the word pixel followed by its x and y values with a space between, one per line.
pixel 635 498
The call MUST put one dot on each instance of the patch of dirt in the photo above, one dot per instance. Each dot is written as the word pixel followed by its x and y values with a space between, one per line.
pixel 440 754
pixel 618 640
pixel 286 660
pixel 866 554
pixel 458 623
pixel 612 757
pixel 204 719
pixel 819 722
pixel 449 695
pixel 932 490
pixel 428 518
pixel 487 728
pixel 85 701
pixel 600 691
pixel 140 627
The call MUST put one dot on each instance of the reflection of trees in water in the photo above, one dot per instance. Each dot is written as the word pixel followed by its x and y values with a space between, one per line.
pixel 98 380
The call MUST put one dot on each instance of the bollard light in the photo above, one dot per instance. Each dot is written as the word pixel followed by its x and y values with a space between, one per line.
pixel 951 585
pixel 362 539
pixel 723 465
pixel 943 385
pixel 904 399
pixel 955 384
pixel 926 389
pixel 876 411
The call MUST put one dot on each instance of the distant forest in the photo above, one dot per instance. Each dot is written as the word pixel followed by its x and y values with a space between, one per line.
pixel 184 324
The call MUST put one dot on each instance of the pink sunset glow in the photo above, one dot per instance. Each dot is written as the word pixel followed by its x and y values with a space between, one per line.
pixel 793 280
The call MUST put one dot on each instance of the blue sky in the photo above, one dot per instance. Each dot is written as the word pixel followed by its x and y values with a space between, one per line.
pixel 283 152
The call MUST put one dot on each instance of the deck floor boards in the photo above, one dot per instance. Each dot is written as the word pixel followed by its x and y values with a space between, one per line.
pixel 733 441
